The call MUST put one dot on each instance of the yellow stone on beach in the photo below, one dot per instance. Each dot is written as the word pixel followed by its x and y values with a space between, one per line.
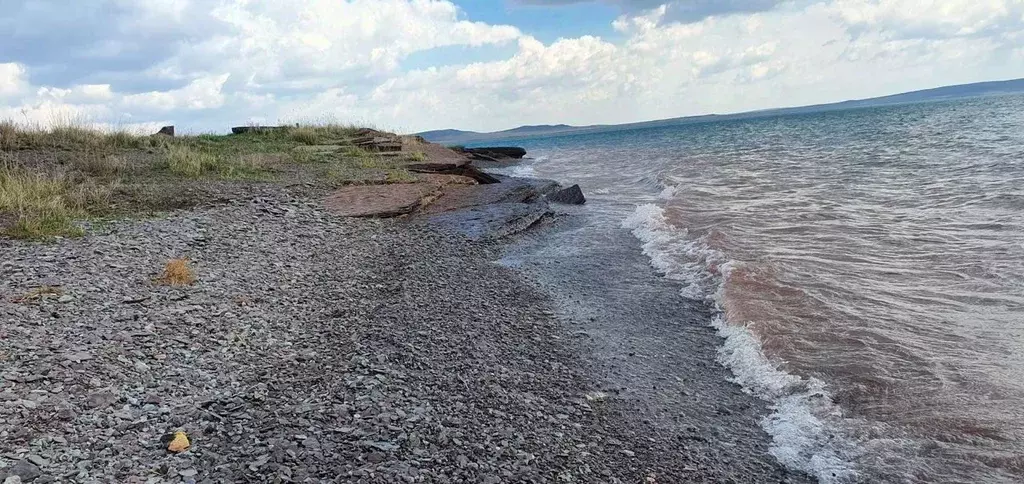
pixel 179 443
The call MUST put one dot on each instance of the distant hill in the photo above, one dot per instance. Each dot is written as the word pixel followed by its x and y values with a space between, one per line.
pixel 454 136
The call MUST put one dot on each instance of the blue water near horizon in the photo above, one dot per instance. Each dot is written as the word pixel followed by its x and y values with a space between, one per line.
pixel 867 267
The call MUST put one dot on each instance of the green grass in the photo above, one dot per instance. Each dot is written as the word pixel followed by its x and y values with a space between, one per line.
pixel 197 162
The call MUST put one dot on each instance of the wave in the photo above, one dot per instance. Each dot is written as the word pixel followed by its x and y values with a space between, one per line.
pixel 801 408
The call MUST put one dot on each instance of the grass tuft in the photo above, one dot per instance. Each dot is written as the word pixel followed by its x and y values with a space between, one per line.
pixel 177 273
pixel 38 293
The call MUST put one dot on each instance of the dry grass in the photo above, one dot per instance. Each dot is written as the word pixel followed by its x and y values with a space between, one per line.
pixel 177 272
pixel 69 134
pixel 38 293
pixel 322 133
pixel 417 156
pixel 42 205
pixel 101 165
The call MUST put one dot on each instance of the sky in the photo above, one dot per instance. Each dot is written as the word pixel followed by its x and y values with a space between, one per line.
pixel 414 65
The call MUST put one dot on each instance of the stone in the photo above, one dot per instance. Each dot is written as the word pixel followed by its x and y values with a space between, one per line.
pixel 455 167
pixel 166 131
pixel 13 480
pixel 508 190
pixel 569 196
pixel 37 460
pixel 491 222
pixel 25 470
pixel 256 129
pixel 100 400
pixel 65 299
pixel 381 201
pixel 495 153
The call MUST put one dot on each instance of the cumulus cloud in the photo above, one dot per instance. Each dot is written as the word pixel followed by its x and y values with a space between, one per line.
pixel 210 64
pixel 11 79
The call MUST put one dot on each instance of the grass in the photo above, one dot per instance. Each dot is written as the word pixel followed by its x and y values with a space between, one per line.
pixel 51 178
pixel 70 135
pixel 177 272
pixel 417 156
pixel 197 162
pixel 38 293
pixel 43 204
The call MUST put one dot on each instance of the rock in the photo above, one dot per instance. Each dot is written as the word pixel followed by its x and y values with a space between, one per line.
pixel 24 470
pixel 490 222
pixel 379 144
pixel 495 153
pixel 13 480
pixel 39 461
pixel 65 299
pixel 381 201
pixel 509 190
pixel 100 400
pixel 165 131
pixel 569 196
pixel 188 473
pixel 458 167
pixel 257 129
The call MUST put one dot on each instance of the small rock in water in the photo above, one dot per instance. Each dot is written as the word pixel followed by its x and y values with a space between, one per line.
pixel 569 196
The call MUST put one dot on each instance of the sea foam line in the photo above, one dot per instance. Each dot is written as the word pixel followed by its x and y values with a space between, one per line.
pixel 801 439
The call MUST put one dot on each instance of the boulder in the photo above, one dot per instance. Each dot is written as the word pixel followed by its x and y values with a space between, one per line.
pixel 569 196
pixel 165 131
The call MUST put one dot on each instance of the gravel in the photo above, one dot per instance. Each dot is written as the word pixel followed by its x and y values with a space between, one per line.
pixel 312 348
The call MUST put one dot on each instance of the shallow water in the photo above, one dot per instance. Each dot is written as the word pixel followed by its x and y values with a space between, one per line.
pixel 867 265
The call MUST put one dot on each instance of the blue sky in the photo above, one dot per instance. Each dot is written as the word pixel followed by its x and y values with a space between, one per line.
pixel 412 65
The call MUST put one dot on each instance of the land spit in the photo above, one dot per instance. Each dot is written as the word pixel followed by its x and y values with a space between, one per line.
pixel 318 348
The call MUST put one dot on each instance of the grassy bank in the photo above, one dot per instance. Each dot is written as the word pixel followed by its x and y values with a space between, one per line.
pixel 51 179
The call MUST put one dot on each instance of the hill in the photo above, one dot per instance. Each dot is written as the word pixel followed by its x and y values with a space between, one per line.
pixel 454 136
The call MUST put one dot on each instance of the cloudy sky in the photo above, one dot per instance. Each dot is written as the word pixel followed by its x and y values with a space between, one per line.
pixel 412 65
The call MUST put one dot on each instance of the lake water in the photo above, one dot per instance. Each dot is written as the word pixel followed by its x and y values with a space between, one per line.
pixel 867 267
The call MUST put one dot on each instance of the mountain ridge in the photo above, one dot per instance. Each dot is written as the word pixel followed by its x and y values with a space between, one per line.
pixel 957 91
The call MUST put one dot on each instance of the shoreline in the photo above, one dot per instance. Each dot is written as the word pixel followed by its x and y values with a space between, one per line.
pixel 320 348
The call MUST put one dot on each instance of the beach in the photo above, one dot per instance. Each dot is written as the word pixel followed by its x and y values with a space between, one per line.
pixel 318 348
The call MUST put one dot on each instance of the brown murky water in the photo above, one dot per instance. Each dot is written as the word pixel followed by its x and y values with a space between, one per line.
pixel 868 265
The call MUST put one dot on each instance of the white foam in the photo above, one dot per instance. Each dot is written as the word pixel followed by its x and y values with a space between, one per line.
pixel 669 192
pixel 801 437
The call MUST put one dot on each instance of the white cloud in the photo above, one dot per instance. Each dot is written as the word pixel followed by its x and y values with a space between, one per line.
pixel 202 93
pixel 11 79
pixel 288 60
